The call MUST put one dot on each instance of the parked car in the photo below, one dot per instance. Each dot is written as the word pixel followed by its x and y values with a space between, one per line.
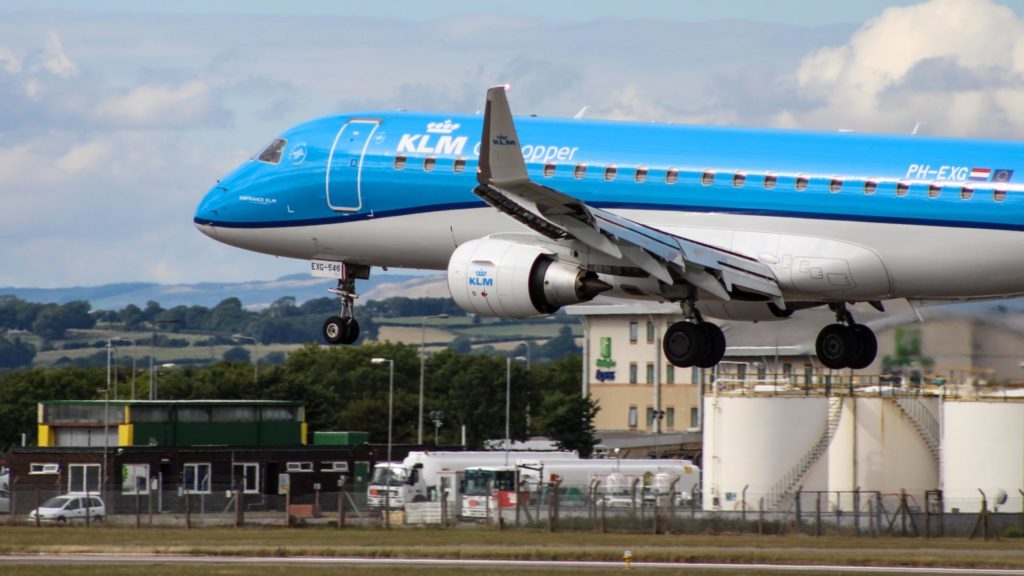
pixel 5 501
pixel 70 507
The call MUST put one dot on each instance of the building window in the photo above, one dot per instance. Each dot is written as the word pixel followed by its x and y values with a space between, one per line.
pixel 738 179
pixel 694 417
pixel 579 171
pixel 83 478
pixel 632 372
pixel 334 467
pixel 247 476
pixel 650 417
pixel 633 332
pixel 671 176
pixel 650 332
pixel 670 418
pixel 549 170
pixel 399 162
pixel 632 416
pixel 787 372
pixel 870 186
pixel 43 468
pixel 770 180
pixel 741 372
pixel 459 165
pixel 299 467
pixel 707 178
pixel 695 375
pixel 762 372
pixel 609 173
pixel 135 479
pixel 650 373
pixel 641 175
pixel 197 478
pixel 670 374
pixel 801 183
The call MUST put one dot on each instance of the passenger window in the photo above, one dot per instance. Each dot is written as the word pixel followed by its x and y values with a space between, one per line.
pixel 428 163
pixel 902 188
pixel 934 190
pixel 272 153
pixel 609 173
pixel 671 176
pixel 770 180
pixel 707 178
pixel 738 180
pixel 641 175
pixel 801 183
pixel 870 186
pixel 999 195
pixel 459 165
pixel 399 162
pixel 835 185
pixel 549 170
pixel 579 171
pixel 966 193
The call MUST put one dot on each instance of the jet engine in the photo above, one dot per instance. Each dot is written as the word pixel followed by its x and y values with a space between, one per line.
pixel 512 279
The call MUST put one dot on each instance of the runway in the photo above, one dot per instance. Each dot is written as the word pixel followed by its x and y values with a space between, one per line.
pixel 179 559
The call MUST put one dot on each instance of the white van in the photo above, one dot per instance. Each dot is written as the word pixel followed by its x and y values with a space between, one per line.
pixel 70 507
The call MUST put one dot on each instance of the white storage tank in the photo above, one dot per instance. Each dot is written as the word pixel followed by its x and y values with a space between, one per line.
pixel 983 447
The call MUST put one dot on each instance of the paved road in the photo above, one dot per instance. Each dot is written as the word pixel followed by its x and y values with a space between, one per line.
pixel 150 559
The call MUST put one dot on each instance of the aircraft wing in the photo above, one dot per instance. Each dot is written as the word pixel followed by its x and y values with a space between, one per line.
pixel 674 260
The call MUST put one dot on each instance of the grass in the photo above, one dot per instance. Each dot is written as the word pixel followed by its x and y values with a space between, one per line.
pixel 522 544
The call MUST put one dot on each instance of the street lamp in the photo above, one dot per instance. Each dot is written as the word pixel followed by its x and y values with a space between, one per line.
pixel 391 395
pixel 508 399
pixel 152 350
pixel 255 356
pixel 423 362
pixel 657 415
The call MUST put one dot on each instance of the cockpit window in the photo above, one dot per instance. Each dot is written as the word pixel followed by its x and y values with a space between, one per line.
pixel 272 153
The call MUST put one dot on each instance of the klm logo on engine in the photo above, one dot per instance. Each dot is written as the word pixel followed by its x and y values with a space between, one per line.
pixel 438 140
pixel 481 279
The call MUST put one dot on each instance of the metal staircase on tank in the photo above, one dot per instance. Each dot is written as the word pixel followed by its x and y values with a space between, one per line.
pixel 783 489
pixel 923 421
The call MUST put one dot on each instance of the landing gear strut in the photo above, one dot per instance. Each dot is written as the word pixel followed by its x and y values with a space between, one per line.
pixel 846 344
pixel 693 342
pixel 343 329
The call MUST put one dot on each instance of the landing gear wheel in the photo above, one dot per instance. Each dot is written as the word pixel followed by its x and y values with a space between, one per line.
pixel 867 344
pixel 836 345
pixel 683 344
pixel 350 330
pixel 714 346
pixel 334 329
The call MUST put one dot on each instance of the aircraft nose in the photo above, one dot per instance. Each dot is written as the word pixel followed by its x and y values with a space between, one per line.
pixel 210 209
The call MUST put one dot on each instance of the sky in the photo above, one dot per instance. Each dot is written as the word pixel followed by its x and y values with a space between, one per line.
pixel 116 116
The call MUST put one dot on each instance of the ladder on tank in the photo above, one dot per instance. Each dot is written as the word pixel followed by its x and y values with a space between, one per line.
pixel 785 486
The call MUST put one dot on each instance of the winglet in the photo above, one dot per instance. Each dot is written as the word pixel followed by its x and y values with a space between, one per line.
pixel 501 155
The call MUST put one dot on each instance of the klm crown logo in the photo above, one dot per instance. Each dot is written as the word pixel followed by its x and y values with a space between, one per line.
pixel 446 127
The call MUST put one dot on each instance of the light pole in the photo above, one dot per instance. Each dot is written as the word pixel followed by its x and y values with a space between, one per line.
pixel 152 350
pixel 423 362
pixel 658 415
pixel 391 395
pixel 438 417
pixel 508 400
pixel 106 422
pixel 255 356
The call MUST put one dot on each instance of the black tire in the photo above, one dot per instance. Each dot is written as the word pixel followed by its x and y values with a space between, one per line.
pixel 867 347
pixel 835 346
pixel 62 520
pixel 334 330
pixel 350 330
pixel 714 346
pixel 683 344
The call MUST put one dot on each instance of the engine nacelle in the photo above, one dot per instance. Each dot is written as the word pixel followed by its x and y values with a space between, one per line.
pixel 743 311
pixel 510 279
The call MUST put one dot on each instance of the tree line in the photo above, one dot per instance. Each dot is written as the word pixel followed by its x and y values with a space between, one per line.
pixel 343 390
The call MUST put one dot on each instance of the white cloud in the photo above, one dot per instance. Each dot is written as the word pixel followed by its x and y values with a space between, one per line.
pixel 957 64
pixel 167 105
pixel 9 62
pixel 54 60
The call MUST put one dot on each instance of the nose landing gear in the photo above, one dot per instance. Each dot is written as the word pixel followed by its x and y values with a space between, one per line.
pixel 846 344
pixel 344 329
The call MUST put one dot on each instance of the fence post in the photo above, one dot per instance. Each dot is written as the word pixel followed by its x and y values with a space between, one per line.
pixel 444 508
pixel 553 506
pixel 138 507
pixel 88 508
pixel 288 507
pixel 341 503
pixel 760 515
pixel 817 514
pixel 839 513
pixel 149 501
pixel 632 495
pixel 799 512
pixel 743 504
pixel 238 504
pixel 604 518
pixel 188 510
pixel 856 511
pixel 13 510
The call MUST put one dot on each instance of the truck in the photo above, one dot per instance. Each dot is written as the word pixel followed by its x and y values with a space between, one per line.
pixel 621 482
pixel 416 478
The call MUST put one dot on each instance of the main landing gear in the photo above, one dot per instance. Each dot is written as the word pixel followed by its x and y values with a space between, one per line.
pixel 693 342
pixel 343 329
pixel 846 344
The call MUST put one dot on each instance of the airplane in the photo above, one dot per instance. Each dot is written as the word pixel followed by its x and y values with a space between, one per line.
pixel 530 214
